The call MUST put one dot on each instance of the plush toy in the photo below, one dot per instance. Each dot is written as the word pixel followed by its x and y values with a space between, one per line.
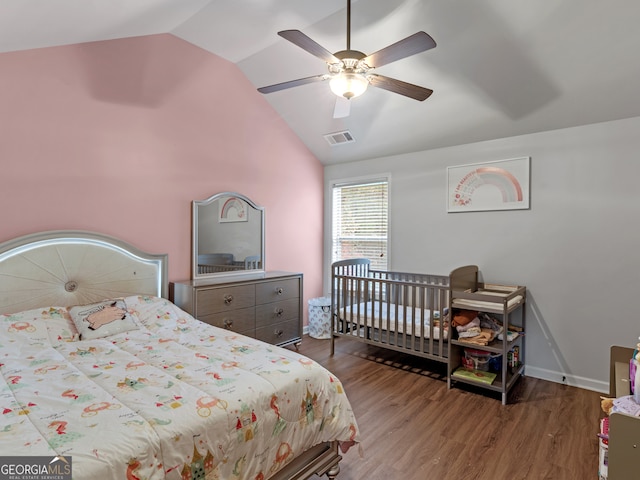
pixel 606 404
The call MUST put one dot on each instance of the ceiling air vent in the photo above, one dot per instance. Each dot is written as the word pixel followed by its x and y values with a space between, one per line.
pixel 338 138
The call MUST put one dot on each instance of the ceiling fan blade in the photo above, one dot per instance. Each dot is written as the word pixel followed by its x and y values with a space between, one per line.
pixel 300 39
pixel 342 108
pixel 292 83
pixel 396 86
pixel 416 43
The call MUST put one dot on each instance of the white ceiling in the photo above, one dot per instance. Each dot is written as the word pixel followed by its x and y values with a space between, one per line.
pixel 500 68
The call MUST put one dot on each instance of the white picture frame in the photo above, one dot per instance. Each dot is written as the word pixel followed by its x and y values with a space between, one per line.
pixel 486 186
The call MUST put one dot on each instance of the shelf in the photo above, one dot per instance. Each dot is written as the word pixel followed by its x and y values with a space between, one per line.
pixel 496 346
pixel 494 299
pixel 496 385
pixel 489 298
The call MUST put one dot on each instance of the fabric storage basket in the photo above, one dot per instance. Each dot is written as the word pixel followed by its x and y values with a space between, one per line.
pixel 320 317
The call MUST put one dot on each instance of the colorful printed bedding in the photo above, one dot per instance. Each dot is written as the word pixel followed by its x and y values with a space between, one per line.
pixel 174 398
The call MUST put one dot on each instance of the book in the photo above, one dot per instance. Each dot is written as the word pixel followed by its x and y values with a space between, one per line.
pixel 475 375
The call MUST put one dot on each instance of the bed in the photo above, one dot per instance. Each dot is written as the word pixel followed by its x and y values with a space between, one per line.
pixel 406 312
pixel 162 397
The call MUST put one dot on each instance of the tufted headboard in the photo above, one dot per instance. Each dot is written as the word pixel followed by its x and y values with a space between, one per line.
pixel 70 267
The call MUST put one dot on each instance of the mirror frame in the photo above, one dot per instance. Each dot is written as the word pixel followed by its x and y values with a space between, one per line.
pixel 196 204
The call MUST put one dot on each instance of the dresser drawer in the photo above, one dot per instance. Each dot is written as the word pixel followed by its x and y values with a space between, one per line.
pixel 275 291
pixel 268 308
pixel 272 313
pixel 223 299
pixel 283 332
pixel 240 321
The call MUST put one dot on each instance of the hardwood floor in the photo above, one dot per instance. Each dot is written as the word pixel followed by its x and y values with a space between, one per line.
pixel 413 428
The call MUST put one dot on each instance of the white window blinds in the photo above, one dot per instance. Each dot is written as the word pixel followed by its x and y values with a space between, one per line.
pixel 360 222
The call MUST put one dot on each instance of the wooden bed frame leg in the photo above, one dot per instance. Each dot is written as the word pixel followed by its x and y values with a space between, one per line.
pixel 333 472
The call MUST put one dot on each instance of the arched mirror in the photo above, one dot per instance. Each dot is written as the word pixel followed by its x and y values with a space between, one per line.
pixel 227 237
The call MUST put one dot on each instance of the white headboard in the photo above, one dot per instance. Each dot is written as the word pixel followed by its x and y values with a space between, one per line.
pixel 69 267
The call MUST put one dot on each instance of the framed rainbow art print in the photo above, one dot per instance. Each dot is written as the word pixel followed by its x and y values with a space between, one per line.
pixel 496 185
pixel 233 210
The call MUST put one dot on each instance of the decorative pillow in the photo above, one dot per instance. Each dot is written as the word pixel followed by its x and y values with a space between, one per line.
pixel 102 319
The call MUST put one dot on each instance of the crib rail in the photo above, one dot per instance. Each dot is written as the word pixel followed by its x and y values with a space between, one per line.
pixel 219 268
pixel 399 311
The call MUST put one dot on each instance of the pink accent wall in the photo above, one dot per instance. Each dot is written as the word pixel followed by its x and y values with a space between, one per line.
pixel 120 136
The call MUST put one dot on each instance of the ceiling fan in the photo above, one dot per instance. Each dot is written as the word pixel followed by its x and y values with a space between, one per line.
pixel 350 71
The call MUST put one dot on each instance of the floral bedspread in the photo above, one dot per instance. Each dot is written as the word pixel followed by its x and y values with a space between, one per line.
pixel 174 399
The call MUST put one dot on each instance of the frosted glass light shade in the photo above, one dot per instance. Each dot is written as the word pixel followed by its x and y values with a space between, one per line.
pixel 348 85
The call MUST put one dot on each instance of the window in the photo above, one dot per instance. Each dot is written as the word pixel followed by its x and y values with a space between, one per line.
pixel 360 221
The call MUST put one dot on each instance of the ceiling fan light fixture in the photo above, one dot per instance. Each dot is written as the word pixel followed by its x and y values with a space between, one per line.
pixel 348 85
pixel 349 70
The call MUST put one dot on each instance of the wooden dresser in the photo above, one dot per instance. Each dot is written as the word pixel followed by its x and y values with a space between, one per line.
pixel 267 308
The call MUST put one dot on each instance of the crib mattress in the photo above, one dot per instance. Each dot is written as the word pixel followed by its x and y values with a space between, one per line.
pixel 396 318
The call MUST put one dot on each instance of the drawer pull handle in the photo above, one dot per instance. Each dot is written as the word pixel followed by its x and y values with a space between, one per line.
pixel 228 323
pixel 279 311
pixel 278 333
pixel 279 290
pixel 228 299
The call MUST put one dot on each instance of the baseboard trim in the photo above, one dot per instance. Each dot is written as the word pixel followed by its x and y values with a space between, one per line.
pixel 573 380
pixel 551 376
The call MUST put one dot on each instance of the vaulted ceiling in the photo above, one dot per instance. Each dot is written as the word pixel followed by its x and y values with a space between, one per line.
pixel 501 67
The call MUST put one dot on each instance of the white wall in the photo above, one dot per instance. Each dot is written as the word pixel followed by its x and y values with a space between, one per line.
pixel 575 249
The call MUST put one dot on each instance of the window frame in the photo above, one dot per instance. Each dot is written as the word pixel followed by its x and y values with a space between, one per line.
pixel 355 181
